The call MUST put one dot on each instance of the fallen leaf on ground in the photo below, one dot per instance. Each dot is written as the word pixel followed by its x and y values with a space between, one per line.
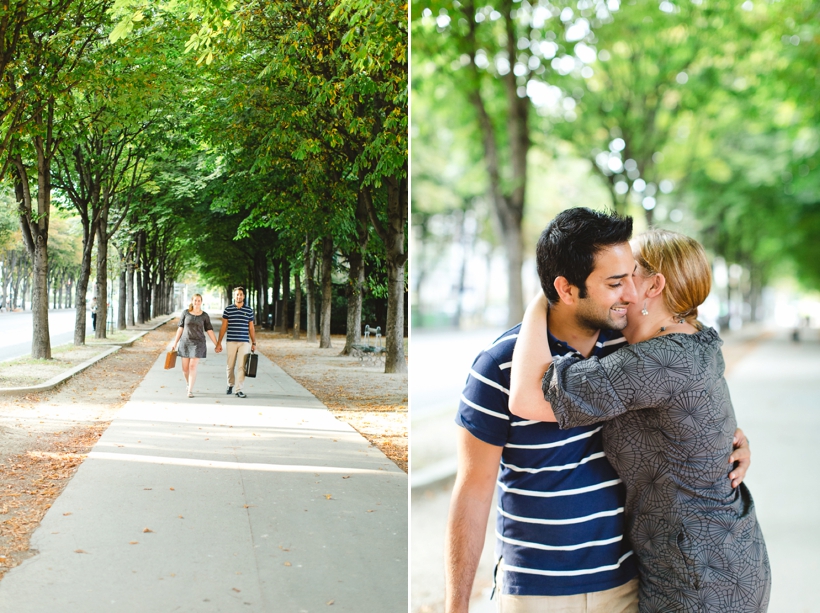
pixel 147 530
pixel 133 542
pixel 79 551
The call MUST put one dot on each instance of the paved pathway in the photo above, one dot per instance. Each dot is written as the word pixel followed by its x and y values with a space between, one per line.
pixel 776 395
pixel 221 504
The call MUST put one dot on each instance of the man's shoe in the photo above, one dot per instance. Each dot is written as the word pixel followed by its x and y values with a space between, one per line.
pixel 240 394
pixel 229 391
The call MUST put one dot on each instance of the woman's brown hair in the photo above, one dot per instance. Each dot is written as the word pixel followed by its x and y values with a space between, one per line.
pixel 682 261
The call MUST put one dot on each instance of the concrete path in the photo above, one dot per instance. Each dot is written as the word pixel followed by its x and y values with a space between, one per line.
pixel 776 395
pixel 222 504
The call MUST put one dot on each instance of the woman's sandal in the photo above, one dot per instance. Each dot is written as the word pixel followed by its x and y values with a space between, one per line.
pixel 190 395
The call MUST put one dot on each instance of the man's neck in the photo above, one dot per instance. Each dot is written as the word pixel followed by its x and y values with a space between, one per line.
pixel 238 304
pixel 563 325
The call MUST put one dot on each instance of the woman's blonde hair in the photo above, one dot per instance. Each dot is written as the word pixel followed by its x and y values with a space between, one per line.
pixel 191 306
pixel 682 261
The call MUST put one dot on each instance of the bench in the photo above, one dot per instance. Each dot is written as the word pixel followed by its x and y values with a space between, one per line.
pixel 370 352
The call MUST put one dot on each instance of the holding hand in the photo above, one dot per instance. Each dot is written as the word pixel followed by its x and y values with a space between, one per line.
pixel 741 457
pixel 218 348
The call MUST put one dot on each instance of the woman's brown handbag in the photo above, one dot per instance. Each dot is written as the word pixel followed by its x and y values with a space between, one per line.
pixel 170 360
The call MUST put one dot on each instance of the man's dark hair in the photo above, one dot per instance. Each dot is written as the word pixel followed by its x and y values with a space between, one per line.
pixel 568 245
pixel 242 288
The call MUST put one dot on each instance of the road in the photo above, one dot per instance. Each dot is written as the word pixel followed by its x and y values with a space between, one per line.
pixel 16 329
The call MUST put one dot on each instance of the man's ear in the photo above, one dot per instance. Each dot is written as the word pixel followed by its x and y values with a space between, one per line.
pixel 567 293
pixel 658 283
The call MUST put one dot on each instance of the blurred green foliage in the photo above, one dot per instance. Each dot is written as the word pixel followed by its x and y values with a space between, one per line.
pixel 699 116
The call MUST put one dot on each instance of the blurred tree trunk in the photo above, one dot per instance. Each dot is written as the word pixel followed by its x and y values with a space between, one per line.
pixel 507 197
pixel 327 290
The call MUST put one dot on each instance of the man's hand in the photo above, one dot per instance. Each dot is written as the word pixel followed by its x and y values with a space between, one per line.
pixel 218 347
pixel 741 458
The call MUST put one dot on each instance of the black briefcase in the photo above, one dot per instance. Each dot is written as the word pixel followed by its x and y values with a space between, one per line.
pixel 251 362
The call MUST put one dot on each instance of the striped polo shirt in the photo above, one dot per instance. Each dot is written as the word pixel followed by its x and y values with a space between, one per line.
pixel 559 521
pixel 238 320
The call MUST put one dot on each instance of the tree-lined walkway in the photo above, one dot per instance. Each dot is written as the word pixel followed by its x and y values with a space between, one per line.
pixel 264 145
pixel 221 504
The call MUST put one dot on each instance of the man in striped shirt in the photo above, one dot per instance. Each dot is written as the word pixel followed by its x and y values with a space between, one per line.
pixel 237 322
pixel 560 542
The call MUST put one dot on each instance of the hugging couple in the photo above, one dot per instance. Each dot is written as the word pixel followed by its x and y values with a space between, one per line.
pixel 621 465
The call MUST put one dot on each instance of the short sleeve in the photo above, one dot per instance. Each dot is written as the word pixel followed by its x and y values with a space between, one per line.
pixel 182 318
pixel 207 322
pixel 484 406
pixel 640 376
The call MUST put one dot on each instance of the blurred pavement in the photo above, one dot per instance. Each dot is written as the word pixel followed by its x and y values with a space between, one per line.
pixel 775 387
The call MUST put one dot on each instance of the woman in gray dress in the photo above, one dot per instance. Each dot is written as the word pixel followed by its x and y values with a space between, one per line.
pixel 190 340
pixel 668 429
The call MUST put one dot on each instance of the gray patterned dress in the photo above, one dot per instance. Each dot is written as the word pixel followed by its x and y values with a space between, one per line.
pixel 698 543
pixel 192 342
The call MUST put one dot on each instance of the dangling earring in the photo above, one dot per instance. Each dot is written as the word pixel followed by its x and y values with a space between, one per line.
pixel 644 311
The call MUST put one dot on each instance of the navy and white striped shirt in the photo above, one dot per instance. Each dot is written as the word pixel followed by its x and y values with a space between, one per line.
pixel 238 320
pixel 560 525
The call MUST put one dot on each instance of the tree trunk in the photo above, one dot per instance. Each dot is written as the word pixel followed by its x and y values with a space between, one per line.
pixel 275 307
pixel 23 293
pixel 123 299
pixel 34 227
pixel 80 307
pixel 355 279
pixel 310 262
pixel 508 196
pixel 129 292
pixel 393 237
pixel 285 295
pixel 102 273
pixel 327 290
pixel 72 283
pixel 297 305
pixel 154 296
pixel 138 268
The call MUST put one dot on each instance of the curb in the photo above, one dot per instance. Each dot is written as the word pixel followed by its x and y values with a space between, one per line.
pixel 55 381
pixel 161 323
pixel 127 343
pixel 434 474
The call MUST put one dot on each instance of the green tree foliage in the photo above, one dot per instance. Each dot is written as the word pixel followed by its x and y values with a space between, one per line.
pixel 699 116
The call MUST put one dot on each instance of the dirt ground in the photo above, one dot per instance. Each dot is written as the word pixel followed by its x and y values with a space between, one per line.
pixel 44 437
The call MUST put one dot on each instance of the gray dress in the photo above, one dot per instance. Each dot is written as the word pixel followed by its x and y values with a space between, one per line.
pixel 192 342
pixel 697 539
